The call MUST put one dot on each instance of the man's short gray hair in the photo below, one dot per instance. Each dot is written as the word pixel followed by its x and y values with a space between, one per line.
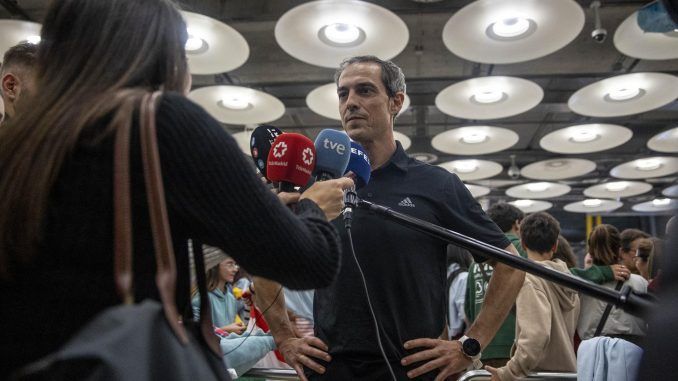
pixel 391 75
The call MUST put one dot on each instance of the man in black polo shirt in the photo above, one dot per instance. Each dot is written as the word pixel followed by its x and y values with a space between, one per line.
pixel 405 270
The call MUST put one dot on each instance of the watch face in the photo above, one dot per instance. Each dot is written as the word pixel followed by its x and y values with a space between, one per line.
pixel 471 347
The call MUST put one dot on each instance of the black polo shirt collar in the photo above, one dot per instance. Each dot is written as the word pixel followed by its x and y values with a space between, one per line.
pixel 399 159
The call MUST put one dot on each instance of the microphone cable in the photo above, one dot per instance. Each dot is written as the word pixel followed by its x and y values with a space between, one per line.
pixel 350 198
pixel 249 333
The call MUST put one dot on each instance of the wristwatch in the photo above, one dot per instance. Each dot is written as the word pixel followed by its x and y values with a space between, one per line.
pixel 470 347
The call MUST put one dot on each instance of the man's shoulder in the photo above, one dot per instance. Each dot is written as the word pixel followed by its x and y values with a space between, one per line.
pixel 439 173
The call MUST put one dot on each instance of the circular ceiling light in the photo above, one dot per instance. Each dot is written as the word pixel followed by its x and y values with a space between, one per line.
pixel 13 32
pixel 238 105
pixel 509 31
pixel 511 28
pixel 404 140
pixel 634 42
pixel 212 46
pixel 195 44
pixel 617 189
pixel 557 169
pixel 341 35
pixel 323 100
pixel 586 138
pixel 531 206
pixel 489 97
pixel 656 205
pixel 473 137
pixel 469 170
pixel 424 157
pixel 666 141
pixel 325 32
pixel 650 164
pixel 625 94
pixel 474 140
pixel 593 206
pixel 34 39
pixel 671 191
pixel 477 190
pixel 644 168
pixel 538 190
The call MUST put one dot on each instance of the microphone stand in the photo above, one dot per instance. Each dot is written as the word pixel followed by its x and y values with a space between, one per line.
pixel 627 299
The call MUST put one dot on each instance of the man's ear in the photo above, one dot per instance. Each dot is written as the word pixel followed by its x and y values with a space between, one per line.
pixel 10 85
pixel 555 247
pixel 396 103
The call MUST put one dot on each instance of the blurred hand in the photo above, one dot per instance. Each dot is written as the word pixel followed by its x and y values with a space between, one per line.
pixel 493 372
pixel 289 198
pixel 299 352
pixel 237 328
pixel 621 273
pixel 329 195
pixel 444 355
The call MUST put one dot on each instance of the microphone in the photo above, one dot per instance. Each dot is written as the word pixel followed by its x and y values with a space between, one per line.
pixel 334 151
pixel 359 165
pixel 260 145
pixel 291 161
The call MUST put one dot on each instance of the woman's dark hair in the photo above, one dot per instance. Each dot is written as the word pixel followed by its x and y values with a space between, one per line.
pixel 604 244
pixel 564 252
pixel 213 278
pixel 90 51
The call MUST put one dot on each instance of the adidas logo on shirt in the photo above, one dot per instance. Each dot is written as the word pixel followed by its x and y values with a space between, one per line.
pixel 406 202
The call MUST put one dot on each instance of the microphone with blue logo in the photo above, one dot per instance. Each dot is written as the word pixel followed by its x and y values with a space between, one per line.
pixel 359 166
pixel 333 150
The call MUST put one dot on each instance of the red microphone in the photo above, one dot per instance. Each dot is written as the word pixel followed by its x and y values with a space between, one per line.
pixel 291 161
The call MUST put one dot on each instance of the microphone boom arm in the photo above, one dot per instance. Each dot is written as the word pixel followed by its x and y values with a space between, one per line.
pixel 636 304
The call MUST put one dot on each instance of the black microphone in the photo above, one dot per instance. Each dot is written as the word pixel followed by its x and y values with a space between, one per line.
pixel 350 203
pixel 260 145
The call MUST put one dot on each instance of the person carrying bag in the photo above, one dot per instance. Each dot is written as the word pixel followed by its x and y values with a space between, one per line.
pixel 144 340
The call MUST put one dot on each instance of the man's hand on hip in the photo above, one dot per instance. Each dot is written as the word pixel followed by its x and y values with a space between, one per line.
pixel 443 355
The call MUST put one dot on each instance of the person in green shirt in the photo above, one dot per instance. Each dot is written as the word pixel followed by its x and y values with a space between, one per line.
pixel 508 218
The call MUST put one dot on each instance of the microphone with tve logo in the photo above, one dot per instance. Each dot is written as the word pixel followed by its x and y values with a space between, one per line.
pixel 359 165
pixel 334 151
pixel 260 144
pixel 291 161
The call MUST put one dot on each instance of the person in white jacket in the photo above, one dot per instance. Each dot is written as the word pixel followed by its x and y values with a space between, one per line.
pixel 546 313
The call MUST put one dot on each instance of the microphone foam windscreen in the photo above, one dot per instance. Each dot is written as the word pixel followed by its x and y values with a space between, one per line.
pixel 291 159
pixel 359 164
pixel 334 151
pixel 260 144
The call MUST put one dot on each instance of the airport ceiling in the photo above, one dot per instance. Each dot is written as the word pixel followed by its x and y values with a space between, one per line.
pixel 430 67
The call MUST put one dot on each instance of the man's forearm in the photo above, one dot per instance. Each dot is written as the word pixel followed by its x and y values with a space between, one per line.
pixel 499 299
pixel 270 298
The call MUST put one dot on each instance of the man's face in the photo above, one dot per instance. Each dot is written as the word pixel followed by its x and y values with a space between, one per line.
pixel 627 256
pixel 364 105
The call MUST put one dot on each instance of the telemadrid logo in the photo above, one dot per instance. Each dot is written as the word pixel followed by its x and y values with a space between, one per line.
pixel 280 149
pixel 307 156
